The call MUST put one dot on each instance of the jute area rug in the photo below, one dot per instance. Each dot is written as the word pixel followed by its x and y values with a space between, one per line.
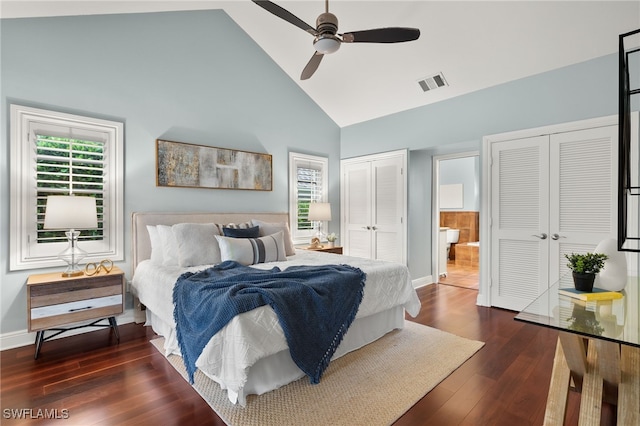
pixel 374 385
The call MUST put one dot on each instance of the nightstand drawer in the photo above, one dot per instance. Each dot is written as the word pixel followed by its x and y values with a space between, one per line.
pixel 45 295
pixel 66 313
pixel 72 307
pixel 54 300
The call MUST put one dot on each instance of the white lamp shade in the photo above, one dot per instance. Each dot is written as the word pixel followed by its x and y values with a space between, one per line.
pixel 70 212
pixel 319 211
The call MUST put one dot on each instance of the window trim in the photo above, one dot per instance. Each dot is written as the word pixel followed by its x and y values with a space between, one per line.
pixel 22 226
pixel 302 237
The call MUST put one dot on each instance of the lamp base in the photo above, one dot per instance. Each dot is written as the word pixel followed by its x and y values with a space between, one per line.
pixel 76 273
pixel 72 255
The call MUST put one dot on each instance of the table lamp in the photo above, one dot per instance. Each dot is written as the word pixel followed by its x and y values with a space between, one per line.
pixel 71 213
pixel 319 212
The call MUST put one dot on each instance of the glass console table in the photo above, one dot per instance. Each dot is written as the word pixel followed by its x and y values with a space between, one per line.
pixel 597 354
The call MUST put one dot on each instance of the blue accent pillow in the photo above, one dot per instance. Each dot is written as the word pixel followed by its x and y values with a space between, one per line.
pixel 253 232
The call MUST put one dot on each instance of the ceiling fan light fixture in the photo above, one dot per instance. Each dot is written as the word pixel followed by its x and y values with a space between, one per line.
pixel 326 44
pixel 326 33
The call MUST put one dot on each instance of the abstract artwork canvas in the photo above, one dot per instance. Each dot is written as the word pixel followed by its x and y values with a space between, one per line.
pixel 198 166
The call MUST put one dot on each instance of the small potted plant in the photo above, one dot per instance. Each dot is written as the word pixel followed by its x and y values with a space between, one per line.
pixel 331 238
pixel 584 268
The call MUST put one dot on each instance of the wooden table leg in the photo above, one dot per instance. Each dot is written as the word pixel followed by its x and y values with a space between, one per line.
pixel 592 386
pixel 579 361
pixel 558 389
pixel 602 371
pixel 629 390
pixel 575 353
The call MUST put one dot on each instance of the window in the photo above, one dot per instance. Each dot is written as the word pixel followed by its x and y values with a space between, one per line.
pixel 308 183
pixel 59 154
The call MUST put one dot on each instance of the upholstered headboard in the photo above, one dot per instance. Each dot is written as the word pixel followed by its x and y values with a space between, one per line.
pixel 141 244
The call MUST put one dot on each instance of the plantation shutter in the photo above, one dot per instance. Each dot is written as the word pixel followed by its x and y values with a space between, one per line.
pixel 68 161
pixel 308 180
pixel 309 184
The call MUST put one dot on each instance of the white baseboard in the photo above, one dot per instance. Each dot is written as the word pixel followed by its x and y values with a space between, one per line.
pixel 423 281
pixel 21 338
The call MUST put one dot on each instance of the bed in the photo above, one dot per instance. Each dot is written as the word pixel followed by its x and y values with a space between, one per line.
pixel 250 354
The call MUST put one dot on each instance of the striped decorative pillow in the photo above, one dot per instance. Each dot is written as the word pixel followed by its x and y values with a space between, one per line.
pixel 249 251
pixel 221 226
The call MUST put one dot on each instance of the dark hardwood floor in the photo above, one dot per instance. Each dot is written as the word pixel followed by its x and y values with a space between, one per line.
pixel 95 381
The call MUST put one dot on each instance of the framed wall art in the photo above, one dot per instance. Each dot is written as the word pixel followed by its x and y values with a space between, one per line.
pixel 187 165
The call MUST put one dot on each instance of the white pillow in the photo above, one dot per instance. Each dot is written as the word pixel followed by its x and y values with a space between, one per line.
pixel 196 244
pixel 156 245
pixel 249 251
pixel 169 245
pixel 267 228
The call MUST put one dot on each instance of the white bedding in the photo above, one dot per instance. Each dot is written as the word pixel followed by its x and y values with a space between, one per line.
pixel 256 335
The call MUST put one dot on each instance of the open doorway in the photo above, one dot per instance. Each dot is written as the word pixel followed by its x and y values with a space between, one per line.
pixel 456 219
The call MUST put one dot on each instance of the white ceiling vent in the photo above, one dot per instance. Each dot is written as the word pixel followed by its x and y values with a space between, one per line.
pixel 432 82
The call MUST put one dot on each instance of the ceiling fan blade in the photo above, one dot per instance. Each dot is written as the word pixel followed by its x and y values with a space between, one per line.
pixel 312 66
pixel 286 15
pixel 382 35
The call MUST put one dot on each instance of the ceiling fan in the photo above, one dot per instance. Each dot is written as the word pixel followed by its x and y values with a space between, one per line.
pixel 327 39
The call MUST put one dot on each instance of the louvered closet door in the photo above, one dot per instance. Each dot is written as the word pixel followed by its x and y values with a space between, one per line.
pixel 519 221
pixel 551 195
pixel 387 214
pixel 357 209
pixel 583 204
pixel 374 206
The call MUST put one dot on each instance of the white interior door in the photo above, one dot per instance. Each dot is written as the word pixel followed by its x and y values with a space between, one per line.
pixel 583 193
pixel 356 205
pixel 387 216
pixel 519 221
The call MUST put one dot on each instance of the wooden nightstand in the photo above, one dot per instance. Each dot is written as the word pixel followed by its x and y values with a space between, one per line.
pixel 325 249
pixel 54 300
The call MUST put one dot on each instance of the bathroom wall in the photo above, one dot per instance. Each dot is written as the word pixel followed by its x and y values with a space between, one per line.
pixel 467 256
pixel 463 171
pixel 468 222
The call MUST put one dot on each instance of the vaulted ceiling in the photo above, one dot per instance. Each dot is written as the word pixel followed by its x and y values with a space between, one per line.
pixel 474 44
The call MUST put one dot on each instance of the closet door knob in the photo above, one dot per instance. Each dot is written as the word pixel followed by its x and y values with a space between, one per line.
pixel 542 236
pixel 556 236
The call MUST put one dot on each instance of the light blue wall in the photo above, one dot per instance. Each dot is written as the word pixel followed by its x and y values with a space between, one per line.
pixel 565 94
pixel 459 124
pixel 419 220
pixel 186 76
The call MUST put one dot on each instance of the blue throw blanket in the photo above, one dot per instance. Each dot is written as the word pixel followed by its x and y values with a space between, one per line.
pixel 314 304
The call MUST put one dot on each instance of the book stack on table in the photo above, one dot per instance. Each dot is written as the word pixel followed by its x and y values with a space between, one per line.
pixel 595 294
